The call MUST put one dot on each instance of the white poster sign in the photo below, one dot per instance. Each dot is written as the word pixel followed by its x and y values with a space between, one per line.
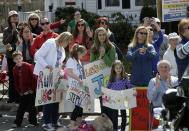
pixel 97 75
pixel 47 85
pixel 119 99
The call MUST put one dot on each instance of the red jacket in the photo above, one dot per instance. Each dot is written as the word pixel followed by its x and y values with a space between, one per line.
pixel 40 39
pixel 55 25
pixel 78 40
pixel 24 80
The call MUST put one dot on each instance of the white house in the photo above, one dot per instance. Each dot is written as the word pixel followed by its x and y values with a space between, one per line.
pixel 104 7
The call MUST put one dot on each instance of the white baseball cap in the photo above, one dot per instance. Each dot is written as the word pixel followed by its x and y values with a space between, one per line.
pixel 12 12
pixel 173 36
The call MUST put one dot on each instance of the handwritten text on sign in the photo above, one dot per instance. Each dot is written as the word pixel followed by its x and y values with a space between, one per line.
pixel 119 99
pixel 97 75
pixel 139 116
pixel 47 85
pixel 79 97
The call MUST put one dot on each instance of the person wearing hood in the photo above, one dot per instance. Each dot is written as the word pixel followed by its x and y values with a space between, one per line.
pixel 103 22
pixel 10 40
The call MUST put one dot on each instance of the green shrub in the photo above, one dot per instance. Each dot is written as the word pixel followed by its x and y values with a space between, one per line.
pixel 147 12
pixel 68 14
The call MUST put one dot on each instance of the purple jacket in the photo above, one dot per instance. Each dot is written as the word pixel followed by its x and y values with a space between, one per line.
pixel 119 84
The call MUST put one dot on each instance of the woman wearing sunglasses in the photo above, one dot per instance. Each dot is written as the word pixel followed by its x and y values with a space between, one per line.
pixel 141 54
pixel 103 22
pixel 82 36
pixel 34 22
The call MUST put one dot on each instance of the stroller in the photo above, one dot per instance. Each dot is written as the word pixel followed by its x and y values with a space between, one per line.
pixel 3 77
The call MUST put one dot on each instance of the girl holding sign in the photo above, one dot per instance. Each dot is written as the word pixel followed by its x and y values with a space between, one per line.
pixel 50 56
pixel 102 49
pixel 75 76
pixel 118 81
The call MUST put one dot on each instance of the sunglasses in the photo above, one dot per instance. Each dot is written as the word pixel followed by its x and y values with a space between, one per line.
pixel 104 23
pixel 34 19
pixel 46 23
pixel 142 33
pixel 80 25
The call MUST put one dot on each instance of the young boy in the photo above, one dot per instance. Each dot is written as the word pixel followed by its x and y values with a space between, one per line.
pixel 25 83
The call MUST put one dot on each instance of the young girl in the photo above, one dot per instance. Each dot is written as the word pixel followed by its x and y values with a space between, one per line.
pixel 102 49
pixel 118 81
pixel 75 72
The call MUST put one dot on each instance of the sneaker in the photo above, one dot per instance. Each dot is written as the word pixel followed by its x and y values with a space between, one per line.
pixel 48 127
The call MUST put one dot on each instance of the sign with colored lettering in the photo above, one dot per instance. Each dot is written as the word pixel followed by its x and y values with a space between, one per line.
pixel 47 85
pixel 80 97
pixel 116 99
pixel 139 116
pixel 174 10
pixel 97 75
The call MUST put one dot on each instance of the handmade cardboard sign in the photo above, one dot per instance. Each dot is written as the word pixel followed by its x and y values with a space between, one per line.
pixel 47 85
pixel 119 99
pixel 97 75
pixel 139 116
pixel 80 97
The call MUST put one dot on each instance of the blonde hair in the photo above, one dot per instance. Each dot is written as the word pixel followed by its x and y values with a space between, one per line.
pixel 181 25
pixel 64 37
pixel 33 15
pixel 103 123
pixel 135 40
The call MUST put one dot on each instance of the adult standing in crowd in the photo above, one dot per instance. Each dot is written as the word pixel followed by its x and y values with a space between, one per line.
pixel 164 45
pixel 24 42
pixel 34 23
pixel 141 54
pixel 162 82
pixel 82 37
pixel 182 49
pixel 157 43
pixel 10 40
pixel 169 54
pixel 45 35
pixel 51 55
pixel 102 49
pixel 103 22
pixel 72 23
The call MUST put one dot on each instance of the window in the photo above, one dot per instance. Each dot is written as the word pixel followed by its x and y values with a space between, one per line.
pixel 125 4
pixel 99 4
pixel 143 2
pixel 112 3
